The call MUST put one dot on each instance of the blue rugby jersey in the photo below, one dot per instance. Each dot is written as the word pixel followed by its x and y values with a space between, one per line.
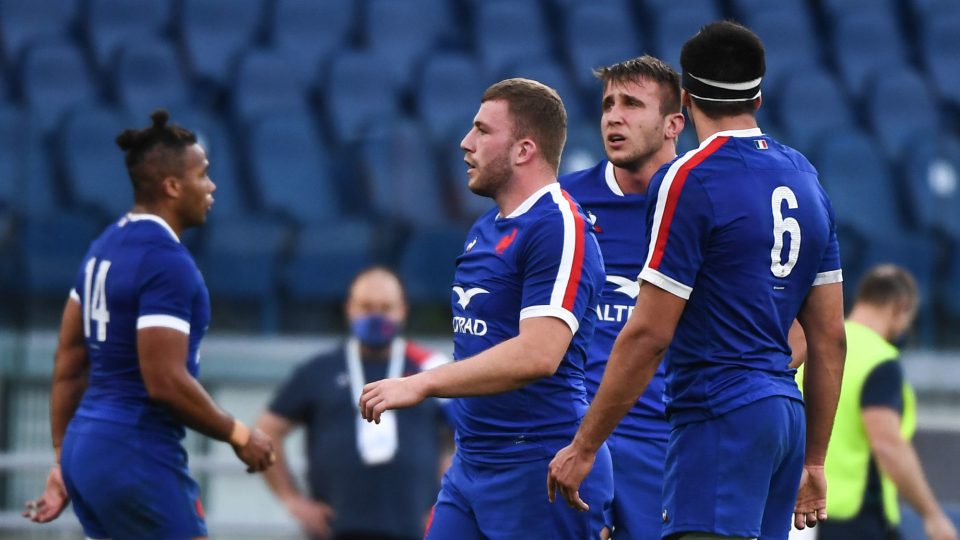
pixel 619 223
pixel 540 261
pixel 741 228
pixel 136 275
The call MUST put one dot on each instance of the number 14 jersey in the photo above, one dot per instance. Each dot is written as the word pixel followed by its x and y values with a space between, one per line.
pixel 741 228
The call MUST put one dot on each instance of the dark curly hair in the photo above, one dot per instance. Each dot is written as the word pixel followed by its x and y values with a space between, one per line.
pixel 153 153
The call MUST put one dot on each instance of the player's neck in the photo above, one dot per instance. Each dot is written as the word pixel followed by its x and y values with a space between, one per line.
pixel 166 214
pixel 707 126
pixel 520 188
pixel 635 180
pixel 875 318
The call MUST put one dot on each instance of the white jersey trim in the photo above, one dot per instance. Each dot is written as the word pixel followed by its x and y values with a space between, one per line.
pixel 74 296
pixel 569 247
pixel 662 200
pixel 156 219
pixel 551 311
pixel 435 360
pixel 163 321
pixel 826 278
pixel 611 178
pixel 666 283
pixel 527 204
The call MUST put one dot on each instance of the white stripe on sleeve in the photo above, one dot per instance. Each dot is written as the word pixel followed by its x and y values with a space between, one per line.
pixel 551 311
pixel 825 278
pixel 569 247
pixel 164 321
pixel 666 283
pixel 74 296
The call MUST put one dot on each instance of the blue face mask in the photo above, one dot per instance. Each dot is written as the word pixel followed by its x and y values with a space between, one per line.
pixel 374 330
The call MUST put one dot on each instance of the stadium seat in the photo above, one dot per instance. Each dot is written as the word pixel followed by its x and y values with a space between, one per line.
pixel 812 106
pixel 857 179
pixel 147 75
pixel 326 257
pixel 214 32
pixel 556 76
pixel 403 31
pixel 836 9
pixel 401 177
pixel 865 42
pixel 747 11
pixel 950 298
pixel 23 22
pixel 41 196
pixel 932 187
pixel 940 46
pixel 596 35
pixel 450 87
pixel 790 43
pixel 508 31
pixel 54 80
pixel 359 95
pixel 676 24
pixel 244 255
pixel 12 147
pixel 584 146
pixel 902 111
pixel 428 262
pixel 92 164
pixel 290 170
pixel 53 246
pixel 265 83
pixel 709 8
pixel 110 24
pixel 308 32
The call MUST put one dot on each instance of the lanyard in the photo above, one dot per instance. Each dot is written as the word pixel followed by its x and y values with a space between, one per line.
pixel 355 367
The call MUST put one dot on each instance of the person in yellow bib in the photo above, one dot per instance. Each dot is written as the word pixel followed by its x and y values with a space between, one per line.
pixel 870 457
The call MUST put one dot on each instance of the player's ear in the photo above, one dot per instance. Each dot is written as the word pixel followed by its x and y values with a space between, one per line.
pixel 685 98
pixel 757 102
pixel 673 125
pixel 526 150
pixel 170 187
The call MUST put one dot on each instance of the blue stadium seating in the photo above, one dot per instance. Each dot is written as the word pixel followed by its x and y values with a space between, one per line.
pixel 359 95
pixel 584 146
pixel 214 32
pixel 23 22
pixel 747 11
pixel 940 45
pixel 325 259
pixel 708 8
pixel 264 84
pixel 836 9
pixel 244 255
pixel 92 162
pixel 308 32
pixel 596 35
pixel 508 31
pixel 811 107
pixel 450 88
pixel 147 75
pixel 789 42
pixel 556 76
pixel 865 42
pixel 902 111
pixel 406 30
pixel 55 79
pixel 428 262
pixel 678 23
pixel 290 170
pixel 932 186
pixel 41 196
pixel 53 247
pixel 111 23
pixel 401 176
pixel 12 147
pixel 469 205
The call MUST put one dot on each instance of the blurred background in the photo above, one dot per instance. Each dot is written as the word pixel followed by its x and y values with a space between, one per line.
pixel 333 129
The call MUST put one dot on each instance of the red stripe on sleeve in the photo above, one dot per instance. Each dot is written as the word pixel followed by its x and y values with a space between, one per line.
pixel 570 295
pixel 673 195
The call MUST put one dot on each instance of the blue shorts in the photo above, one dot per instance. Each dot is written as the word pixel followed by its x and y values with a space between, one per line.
pixel 127 483
pixel 737 474
pixel 480 501
pixel 637 486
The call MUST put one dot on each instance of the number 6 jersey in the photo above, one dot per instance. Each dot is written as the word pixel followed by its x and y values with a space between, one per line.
pixel 741 228
pixel 136 275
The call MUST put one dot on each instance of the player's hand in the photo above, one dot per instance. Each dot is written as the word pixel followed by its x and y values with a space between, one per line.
pixel 52 502
pixel 811 506
pixel 314 516
pixel 258 453
pixel 566 472
pixel 389 394
pixel 939 527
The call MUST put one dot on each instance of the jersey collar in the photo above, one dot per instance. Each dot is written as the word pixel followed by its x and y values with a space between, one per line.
pixel 752 132
pixel 552 187
pixel 611 179
pixel 156 219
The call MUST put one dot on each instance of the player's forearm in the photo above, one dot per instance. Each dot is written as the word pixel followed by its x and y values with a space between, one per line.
pixel 190 403
pixel 633 362
pixel 821 389
pixel 898 460
pixel 69 384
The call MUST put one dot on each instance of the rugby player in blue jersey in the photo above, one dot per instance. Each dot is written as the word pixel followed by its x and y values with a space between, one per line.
pixel 125 373
pixel 524 309
pixel 742 240
pixel 640 122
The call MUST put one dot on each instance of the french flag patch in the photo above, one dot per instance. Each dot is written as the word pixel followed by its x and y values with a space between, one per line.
pixel 760 144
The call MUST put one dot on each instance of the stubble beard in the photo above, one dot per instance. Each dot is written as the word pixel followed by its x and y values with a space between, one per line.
pixel 490 182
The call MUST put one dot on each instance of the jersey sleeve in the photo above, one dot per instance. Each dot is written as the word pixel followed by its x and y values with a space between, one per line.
pixel 883 387
pixel 168 284
pixel 679 221
pixel 829 270
pixel 552 266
